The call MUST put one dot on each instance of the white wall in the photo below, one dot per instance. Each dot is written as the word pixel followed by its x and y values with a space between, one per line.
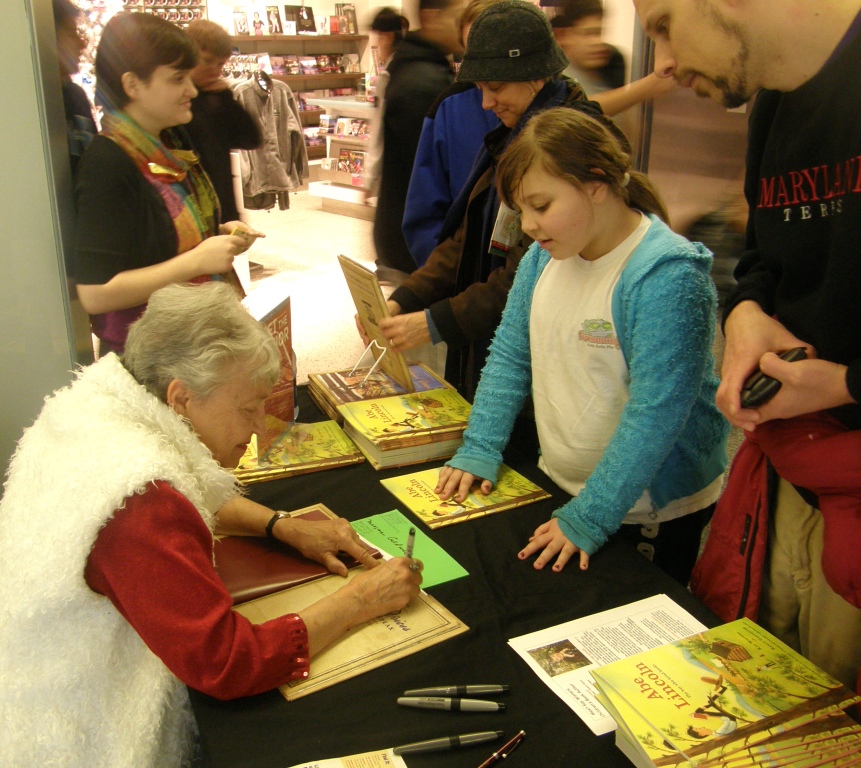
pixel 35 336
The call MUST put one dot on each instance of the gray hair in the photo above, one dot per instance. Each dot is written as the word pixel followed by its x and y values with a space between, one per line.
pixel 196 333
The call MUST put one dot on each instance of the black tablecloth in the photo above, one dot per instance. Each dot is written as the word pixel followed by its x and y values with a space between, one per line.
pixel 500 599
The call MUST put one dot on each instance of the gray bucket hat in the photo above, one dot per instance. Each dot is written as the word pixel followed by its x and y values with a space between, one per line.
pixel 511 42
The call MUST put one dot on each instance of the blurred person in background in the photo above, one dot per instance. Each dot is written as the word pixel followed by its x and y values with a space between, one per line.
pixel 218 122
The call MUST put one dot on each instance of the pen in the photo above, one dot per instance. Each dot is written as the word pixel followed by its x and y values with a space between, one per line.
pixel 411 542
pixel 448 742
pixel 459 690
pixel 454 705
pixel 504 751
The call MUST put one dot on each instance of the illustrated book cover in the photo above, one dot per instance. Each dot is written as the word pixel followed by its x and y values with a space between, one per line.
pixel 701 699
pixel 303 448
pixel 407 429
pixel 416 492
pixel 329 390
pixel 273 310
pixel 348 11
pixel 255 566
pixel 371 307
pixel 421 624
pixel 240 20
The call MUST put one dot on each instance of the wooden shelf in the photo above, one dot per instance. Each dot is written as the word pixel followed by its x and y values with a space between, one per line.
pixel 310 116
pixel 322 81
pixel 242 39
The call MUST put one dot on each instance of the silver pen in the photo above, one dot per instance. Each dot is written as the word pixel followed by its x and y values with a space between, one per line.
pixel 448 742
pixel 453 705
pixel 459 690
pixel 411 543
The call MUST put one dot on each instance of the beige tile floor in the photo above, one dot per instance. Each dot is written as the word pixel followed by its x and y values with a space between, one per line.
pixel 299 258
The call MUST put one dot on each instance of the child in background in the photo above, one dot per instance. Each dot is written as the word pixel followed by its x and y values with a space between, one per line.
pixel 609 326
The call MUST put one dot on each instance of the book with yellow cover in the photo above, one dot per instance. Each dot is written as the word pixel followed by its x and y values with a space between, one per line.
pixel 409 428
pixel 416 492
pixel 701 699
pixel 302 448
pixel 329 390
pixel 371 307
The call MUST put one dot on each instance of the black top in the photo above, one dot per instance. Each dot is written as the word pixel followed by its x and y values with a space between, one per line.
pixel 219 124
pixel 122 222
pixel 804 188
pixel 418 73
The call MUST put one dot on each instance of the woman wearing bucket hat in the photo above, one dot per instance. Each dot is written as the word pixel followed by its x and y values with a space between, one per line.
pixel 458 295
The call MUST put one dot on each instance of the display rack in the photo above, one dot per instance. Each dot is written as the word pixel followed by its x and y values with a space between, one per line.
pixel 340 191
pixel 310 45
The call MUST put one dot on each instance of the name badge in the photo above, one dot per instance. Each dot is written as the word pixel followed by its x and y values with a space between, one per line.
pixel 506 231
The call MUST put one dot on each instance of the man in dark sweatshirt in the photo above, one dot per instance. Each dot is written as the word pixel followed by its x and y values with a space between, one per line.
pixel 799 282
pixel 418 72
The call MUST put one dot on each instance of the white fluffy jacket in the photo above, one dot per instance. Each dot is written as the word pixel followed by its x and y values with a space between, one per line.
pixel 78 687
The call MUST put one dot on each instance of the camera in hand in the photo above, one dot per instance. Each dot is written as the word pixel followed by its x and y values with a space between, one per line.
pixel 759 389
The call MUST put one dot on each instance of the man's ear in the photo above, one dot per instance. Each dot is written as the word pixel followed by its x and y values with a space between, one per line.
pixel 177 396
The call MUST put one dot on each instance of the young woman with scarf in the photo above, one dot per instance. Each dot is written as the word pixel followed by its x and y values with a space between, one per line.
pixel 147 214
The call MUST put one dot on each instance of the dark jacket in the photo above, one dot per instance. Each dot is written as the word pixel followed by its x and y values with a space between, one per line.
pixel 462 283
pixel 219 124
pixel 418 72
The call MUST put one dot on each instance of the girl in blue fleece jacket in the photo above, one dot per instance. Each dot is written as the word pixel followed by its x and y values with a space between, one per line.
pixel 609 326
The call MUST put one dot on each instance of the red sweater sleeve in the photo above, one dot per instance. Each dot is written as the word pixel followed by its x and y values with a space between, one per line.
pixel 153 561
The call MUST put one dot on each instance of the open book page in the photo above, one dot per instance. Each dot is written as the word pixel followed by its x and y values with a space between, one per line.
pixel 416 492
pixel 424 622
pixel 562 656
pixel 383 759
pixel 371 306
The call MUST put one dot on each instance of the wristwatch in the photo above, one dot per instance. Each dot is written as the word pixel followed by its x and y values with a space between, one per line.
pixel 271 524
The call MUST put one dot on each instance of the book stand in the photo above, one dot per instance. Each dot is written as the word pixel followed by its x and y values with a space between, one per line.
pixel 383 350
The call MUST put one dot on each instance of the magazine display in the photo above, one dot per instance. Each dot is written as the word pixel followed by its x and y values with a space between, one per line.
pixel 707 700
pixel 416 492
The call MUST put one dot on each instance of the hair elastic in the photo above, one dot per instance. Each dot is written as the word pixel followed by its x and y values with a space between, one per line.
pixel 625 179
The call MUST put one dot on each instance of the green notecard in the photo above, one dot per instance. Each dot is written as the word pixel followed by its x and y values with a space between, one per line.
pixel 389 531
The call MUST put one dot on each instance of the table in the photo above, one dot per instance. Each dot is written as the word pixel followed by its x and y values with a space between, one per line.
pixel 500 599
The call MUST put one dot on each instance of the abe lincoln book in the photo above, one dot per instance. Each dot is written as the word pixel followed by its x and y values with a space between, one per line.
pixel 416 492
pixel 407 429
pixel 301 449
pixel 371 307
pixel 704 699
pixel 329 390
pixel 254 566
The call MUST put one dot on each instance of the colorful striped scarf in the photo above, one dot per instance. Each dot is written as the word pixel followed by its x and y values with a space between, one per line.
pixel 187 192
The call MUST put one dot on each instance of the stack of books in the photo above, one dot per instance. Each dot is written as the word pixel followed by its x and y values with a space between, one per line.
pixel 733 696
pixel 330 390
pixel 407 429
pixel 302 448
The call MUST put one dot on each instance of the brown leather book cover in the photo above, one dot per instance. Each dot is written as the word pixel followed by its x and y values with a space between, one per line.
pixel 253 566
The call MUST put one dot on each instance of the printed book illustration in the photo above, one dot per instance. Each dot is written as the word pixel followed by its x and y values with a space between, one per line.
pixel 329 390
pixel 273 310
pixel 301 449
pixel 273 17
pixel 348 11
pixel 407 429
pixel 255 566
pixel 304 18
pixel 416 492
pixel 371 307
pixel 702 699
pixel 240 20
